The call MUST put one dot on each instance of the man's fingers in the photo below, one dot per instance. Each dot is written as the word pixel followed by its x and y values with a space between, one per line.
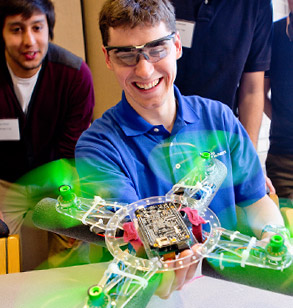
pixel 175 280
pixel 165 288
pixel 189 271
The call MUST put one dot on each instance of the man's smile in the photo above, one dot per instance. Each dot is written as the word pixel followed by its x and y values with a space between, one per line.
pixel 147 86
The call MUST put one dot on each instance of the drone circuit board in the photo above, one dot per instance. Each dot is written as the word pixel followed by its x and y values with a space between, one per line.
pixel 163 228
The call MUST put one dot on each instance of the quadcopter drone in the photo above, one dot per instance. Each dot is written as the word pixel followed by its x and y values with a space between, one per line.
pixel 147 236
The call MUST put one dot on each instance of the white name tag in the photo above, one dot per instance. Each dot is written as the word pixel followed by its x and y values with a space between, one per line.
pixel 186 29
pixel 9 129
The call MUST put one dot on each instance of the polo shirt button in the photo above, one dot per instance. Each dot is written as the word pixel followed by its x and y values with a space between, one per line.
pixel 156 130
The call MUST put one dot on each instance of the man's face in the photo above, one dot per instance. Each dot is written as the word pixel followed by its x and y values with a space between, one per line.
pixel 147 86
pixel 26 43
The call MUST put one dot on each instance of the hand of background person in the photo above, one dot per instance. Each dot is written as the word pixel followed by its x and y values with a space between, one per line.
pixel 269 185
pixel 175 280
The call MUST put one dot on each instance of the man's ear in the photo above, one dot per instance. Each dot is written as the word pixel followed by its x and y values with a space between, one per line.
pixel 107 58
pixel 178 45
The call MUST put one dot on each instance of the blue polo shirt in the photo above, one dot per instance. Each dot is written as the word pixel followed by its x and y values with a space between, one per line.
pixel 230 37
pixel 281 78
pixel 121 157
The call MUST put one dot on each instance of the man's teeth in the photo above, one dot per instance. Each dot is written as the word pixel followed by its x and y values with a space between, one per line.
pixel 30 53
pixel 148 85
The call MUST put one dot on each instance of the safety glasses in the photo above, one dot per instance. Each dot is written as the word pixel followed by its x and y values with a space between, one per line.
pixel 153 51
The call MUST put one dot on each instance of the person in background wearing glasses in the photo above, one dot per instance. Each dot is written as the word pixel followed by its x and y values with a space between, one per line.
pixel 119 156
pixel 279 108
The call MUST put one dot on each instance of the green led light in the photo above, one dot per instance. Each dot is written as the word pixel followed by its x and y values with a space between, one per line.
pixel 205 155
pixel 97 298
pixel 277 243
pixel 276 248
pixel 64 189
pixel 95 292
pixel 67 197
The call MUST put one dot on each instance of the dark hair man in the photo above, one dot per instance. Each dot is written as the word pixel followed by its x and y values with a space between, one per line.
pixel 46 99
pixel 117 156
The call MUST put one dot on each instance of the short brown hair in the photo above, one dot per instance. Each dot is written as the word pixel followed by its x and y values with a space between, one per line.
pixel 131 13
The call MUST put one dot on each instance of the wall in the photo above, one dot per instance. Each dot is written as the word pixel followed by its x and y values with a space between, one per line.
pixel 69 27
pixel 107 90
pixel 280 8
pixel 87 43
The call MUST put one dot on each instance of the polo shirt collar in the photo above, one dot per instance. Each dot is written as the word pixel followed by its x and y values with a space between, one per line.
pixel 185 112
pixel 129 120
pixel 134 125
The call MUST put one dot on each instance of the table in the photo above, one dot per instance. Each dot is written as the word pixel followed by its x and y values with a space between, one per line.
pixel 67 288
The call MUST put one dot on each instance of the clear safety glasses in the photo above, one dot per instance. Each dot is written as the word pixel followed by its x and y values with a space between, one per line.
pixel 153 51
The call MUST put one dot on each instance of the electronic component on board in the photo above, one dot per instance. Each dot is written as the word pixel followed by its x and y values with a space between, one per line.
pixel 163 228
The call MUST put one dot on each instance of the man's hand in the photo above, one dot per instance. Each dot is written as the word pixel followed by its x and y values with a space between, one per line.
pixel 175 280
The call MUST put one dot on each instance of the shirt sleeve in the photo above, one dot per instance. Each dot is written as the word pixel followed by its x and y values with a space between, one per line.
pixel 101 169
pixel 260 52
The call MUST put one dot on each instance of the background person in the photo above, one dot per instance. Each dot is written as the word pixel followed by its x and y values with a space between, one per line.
pixel 47 100
pixel 226 50
pixel 279 107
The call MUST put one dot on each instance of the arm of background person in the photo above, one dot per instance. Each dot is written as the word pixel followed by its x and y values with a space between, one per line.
pixel 268 105
pixel 251 103
pixel 251 107
pixel 268 112
pixel 251 94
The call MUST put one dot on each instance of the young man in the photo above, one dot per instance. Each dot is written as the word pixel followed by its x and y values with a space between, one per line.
pixel 150 139
pixel 46 90
pixel 46 93
pixel 46 98
pixel 279 107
